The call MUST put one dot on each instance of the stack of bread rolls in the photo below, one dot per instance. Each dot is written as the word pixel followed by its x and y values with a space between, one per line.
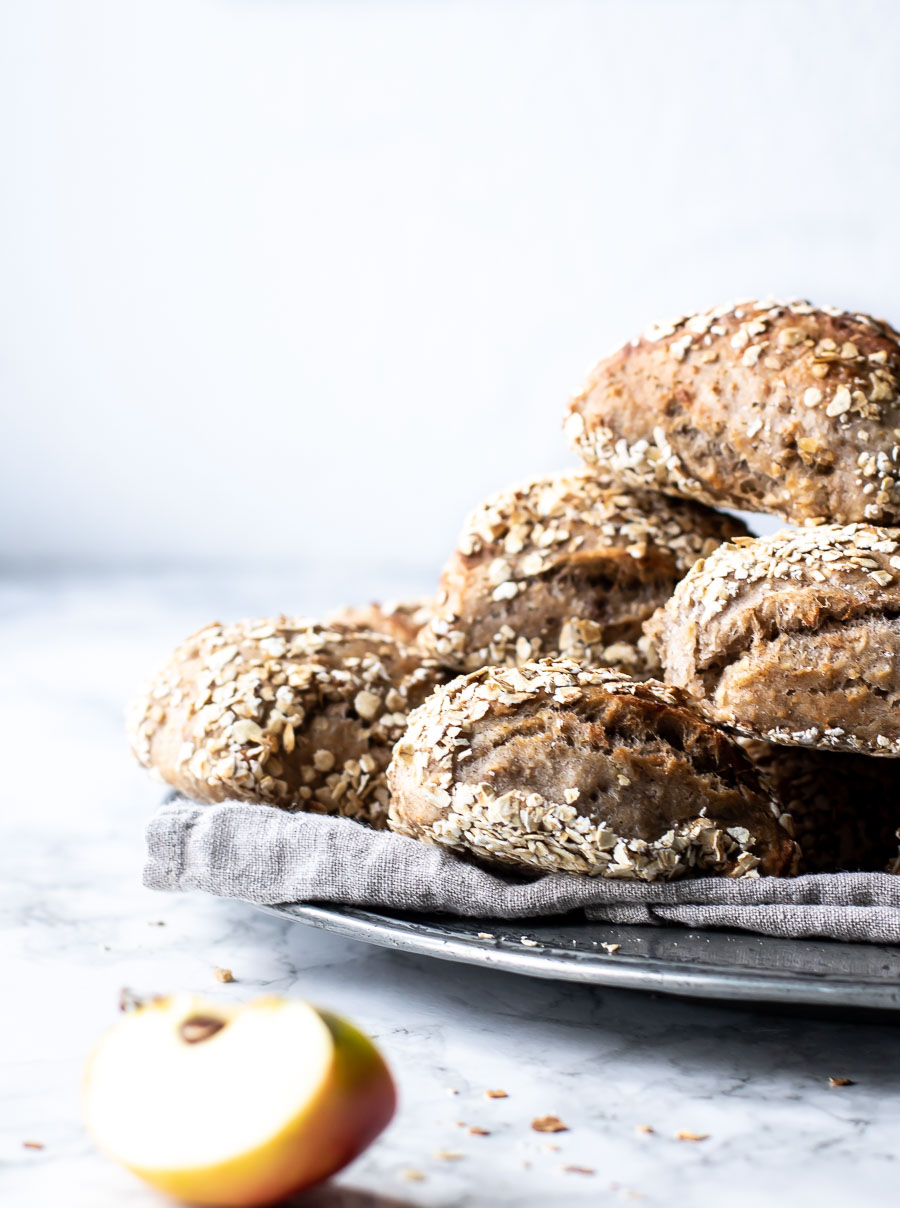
pixel 613 678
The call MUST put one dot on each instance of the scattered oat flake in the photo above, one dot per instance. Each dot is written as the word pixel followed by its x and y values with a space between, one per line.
pixel 412 1175
pixel 579 1170
pixel 549 1124
pixel 32 1144
pixel 485 935
pixel 448 1155
pixel 479 1132
pixel 527 942
pixel 685 1135
pixel 610 948
pixel 841 1082
pixel 496 1094
pixel 643 1128
pixel 223 975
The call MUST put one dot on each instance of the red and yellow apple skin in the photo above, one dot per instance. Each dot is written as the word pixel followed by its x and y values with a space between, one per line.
pixel 350 1098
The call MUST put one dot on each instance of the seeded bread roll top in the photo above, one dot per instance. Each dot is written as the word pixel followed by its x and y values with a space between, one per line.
pixel 553 767
pixel 400 619
pixel 767 406
pixel 283 712
pixel 568 567
pixel 793 637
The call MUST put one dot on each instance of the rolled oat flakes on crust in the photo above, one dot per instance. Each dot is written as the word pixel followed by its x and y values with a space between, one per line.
pixel 564 566
pixel 400 619
pixel 793 638
pixel 552 767
pixel 767 406
pixel 283 712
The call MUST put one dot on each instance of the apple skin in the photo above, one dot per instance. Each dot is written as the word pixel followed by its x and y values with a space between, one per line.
pixel 355 1102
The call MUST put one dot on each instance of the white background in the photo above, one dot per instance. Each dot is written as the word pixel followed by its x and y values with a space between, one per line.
pixel 301 281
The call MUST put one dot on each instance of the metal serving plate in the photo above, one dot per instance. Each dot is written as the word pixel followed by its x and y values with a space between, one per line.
pixel 727 965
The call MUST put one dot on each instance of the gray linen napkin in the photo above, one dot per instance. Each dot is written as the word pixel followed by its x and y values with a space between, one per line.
pixel 260 854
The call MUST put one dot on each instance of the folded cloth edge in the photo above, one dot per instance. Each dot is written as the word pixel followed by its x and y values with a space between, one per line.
pixel 267 856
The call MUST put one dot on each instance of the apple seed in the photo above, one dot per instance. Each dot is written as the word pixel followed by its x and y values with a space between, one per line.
pixel 200 1027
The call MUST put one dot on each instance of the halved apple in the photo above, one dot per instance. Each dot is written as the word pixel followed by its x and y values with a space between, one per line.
pixel 235 1105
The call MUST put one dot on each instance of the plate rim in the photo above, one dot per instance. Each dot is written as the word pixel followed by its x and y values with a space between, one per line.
pixel 623 970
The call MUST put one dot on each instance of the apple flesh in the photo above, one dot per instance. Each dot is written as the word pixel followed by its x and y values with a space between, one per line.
pixel 235 1105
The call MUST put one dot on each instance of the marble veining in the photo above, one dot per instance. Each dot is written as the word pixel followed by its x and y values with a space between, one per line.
pixel 78 926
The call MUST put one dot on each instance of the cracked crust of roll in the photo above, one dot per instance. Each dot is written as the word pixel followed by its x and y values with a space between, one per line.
pixel 400 619
pixel 793 637
pixel 551 767
pixel 845 809
pixel 767 406
pixel 564 566
pixel 283 712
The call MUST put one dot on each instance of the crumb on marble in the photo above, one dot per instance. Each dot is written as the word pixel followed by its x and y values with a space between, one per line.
pixel 476 1131
pixel 223 975
pixel 448 1155
pixel 643 1128
pixel 496 1095
pixel 412 1175
pixel 529 943
pixel 841 1082
pixel 610 948
pixel 485 935
pixel 452 1090
pixel 579 1170
pixel 549 1124
pixel 156 922
pixel 686 1135
pixel 32 1144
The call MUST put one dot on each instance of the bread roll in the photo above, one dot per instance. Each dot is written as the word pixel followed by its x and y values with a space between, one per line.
pixel 794 637
pixel 554 768
pixel 400 619
pixel 769 407
pixel 845 809
pixel 283 712
pixel 565 566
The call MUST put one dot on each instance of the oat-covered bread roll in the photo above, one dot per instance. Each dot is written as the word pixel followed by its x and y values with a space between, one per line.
pixel 284 712
pixel 794 637
pixel 771 407
pixel 556 768
pixel 845 809
pixel 564 566
pixel 400 619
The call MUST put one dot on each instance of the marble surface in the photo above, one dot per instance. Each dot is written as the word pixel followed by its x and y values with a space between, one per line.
pixel 78 926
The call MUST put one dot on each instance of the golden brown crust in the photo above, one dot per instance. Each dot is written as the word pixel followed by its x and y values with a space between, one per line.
pixel 845 808
pixel 793 637
pixel 553 767
pixel 765 406
pixel 283 712
pixel 400 619
pixel 567 567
